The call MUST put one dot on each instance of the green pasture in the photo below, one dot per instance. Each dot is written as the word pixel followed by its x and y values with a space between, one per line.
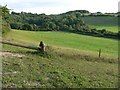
pixel 108 28
pixel 66 40
pixel 110 23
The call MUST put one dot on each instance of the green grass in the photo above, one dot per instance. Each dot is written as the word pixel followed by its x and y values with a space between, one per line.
pixel 108 28
pixel 36 71
pixel 71 60
pixel 66 40
pixel 102 22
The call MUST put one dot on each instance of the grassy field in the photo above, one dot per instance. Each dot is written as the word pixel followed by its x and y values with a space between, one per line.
pixel 70 60
pixel 102 22
pixel 108 28
pixel 67 40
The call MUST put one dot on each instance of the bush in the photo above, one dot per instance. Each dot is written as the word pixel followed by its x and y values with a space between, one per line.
pixel 26 27
pixel 5 27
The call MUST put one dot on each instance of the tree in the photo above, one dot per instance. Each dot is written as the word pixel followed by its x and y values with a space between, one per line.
pixel 14 25
pixel 52 26
pixel 4 14
pixel 26 27
pixel 5 11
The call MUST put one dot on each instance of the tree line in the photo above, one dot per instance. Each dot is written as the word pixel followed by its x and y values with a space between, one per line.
pixel 38 22
pixel 69 21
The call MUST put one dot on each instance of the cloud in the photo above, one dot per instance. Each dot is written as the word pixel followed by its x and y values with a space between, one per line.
pixel 59 6
pixel 51 10
pixel 94 5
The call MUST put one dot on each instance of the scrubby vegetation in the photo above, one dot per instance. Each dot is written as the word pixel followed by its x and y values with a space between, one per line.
pixel 5 27
pixel 32 70
pixel 4 15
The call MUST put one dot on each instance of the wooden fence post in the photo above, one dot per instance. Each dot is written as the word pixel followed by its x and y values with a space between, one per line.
pixel 99 52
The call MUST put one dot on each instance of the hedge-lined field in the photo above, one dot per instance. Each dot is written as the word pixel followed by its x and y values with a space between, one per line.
pixel 110 23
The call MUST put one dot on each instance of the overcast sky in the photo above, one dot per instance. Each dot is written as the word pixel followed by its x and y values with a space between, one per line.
pixel 61 6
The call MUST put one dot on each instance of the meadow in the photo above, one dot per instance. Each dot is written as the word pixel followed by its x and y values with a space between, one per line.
pixel 110 23
pixel 70 60
pixel 109 28
pixel 67 40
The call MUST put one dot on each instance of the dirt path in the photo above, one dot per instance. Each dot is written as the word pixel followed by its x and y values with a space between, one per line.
pixel 7 54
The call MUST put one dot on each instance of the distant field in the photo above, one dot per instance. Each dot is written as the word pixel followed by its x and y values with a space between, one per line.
pixel 108 28
pixel 102 22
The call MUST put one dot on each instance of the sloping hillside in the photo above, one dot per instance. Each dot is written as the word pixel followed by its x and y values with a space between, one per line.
pixel 70 60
